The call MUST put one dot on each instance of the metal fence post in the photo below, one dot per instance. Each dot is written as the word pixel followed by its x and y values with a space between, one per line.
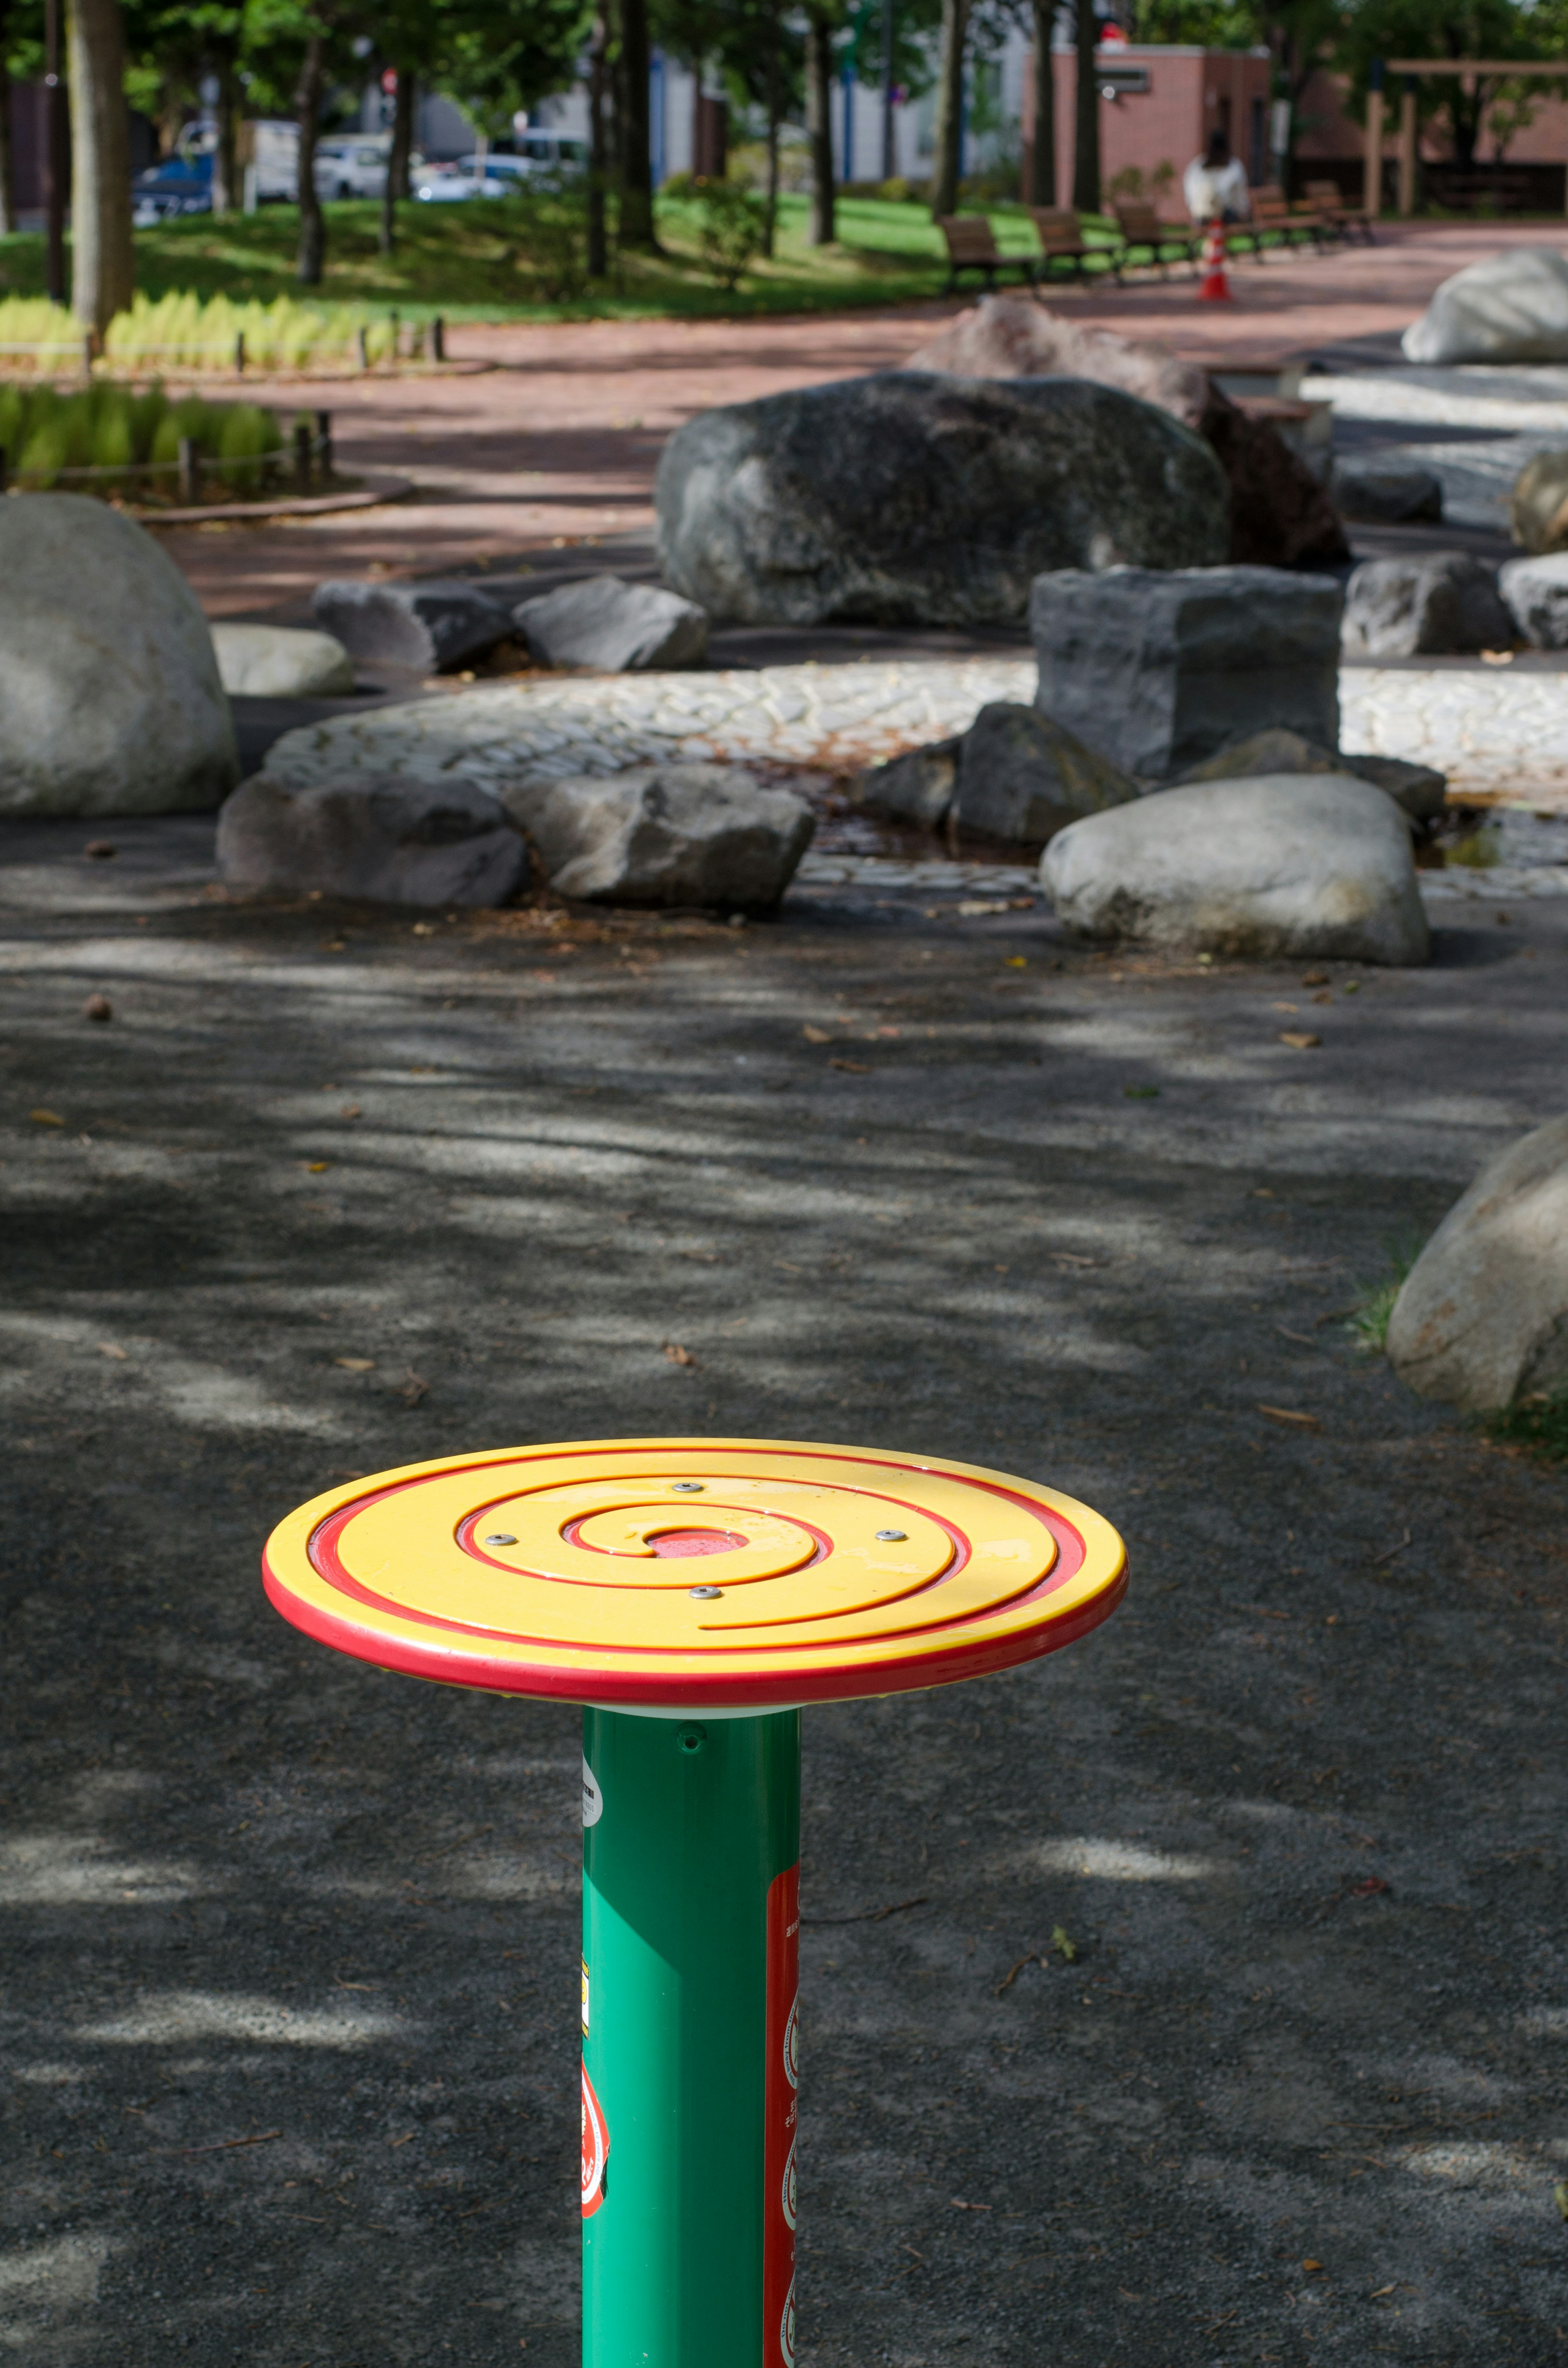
pixel 190 471
pixel 324 443
pixel 303 456
pixel 437 339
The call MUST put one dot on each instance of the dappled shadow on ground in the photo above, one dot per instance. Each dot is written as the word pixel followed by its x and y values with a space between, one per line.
pixel 294 1942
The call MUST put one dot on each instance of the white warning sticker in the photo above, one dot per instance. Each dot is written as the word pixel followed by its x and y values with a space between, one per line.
pixel 593 1799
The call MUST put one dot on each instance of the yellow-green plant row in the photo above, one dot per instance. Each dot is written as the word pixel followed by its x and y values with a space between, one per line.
pixel 46 434
pixel 180 332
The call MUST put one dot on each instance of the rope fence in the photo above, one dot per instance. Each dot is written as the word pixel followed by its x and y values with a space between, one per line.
pixel 426 341
pixel 308 456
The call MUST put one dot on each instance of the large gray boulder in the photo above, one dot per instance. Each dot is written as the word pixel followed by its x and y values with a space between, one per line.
pixel 1420 790
pixel 112 700
pixel 394 840
pixel 620 628
pixel 1507 308
pixel 1535 592
pixel 1280 516
pixel 1021 777
pixel 1441 604
pixel 436 627
pixel 1482 1317
pixel 1156 671
pixel 701 835
pixel 281 662
pixel 1283 866
pixel 911 498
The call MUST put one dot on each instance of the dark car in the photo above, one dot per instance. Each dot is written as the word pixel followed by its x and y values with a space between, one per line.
pixel 182 184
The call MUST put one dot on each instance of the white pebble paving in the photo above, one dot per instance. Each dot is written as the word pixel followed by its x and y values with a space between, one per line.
pixel 1499 732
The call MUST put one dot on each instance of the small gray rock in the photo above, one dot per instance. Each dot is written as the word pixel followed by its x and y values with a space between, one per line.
pixel 620 628
pixel 916 787
pixel 281 662
pixel 703 834
pixel 397 840
pixel 1421 790
pixel 436 627
pixel 1511 307
pixel 1374 497
pixel 1157 670
pixel 1021 777
pixel 1537 507
pixel 906 497
pixel 112 703
pixel 1536 593
pixel 1442 604
pixel 1286 866
pixel 1482 1317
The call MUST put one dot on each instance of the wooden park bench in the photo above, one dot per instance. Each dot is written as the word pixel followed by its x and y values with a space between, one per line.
pixel 1272 211
pixel 972 246
pixel 1338 218
pixel 1141 227
pixel 1061 240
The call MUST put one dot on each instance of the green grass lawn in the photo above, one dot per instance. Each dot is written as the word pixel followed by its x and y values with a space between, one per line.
pixel 471 262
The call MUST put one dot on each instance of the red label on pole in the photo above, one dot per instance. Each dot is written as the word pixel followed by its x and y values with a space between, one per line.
pixel 778 2109
pixel 596 2148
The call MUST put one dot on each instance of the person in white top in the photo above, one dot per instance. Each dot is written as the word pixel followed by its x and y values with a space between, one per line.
pixel 1215 185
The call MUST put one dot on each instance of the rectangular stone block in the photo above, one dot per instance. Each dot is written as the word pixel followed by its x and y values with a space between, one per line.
pixel 1157 669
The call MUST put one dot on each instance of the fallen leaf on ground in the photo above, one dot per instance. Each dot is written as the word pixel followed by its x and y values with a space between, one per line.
pixel 101 847
pixel 959 2206
pixel 858 1068
pixel 1560 2195
pixel 1016 962
pixel 98 1007
pixel 1314 978
pixel 349 1110
pixel 1286 1413
pixel 817 1035
pixel 677 1355
pixel 108 1348
pixel 1299 1040
pixel 1378 2293
pixel 411 1388
pixel 1368 1888
pixel 46 1118
pixel 356 1365
pixel 1064 1947
pixel 317 1166
pixel 1142 1093
pixel 1311 2267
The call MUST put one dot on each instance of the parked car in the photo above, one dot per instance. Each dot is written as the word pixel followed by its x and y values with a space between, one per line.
pixel 275 154
pixel 441 185
pixel 533 153
pixel 182 184
pixel 354 165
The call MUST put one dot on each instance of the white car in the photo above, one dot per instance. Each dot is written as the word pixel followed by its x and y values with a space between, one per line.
pixel 354 165
pixel 438 188
pixel 534 153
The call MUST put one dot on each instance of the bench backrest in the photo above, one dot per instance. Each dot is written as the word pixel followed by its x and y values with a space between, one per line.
pixel 968 238
pixel 1327 196
pixel 1139 223
pixel 1057 229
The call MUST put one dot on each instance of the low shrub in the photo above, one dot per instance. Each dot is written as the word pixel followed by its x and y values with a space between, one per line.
pixel 135 437
pixel 732 226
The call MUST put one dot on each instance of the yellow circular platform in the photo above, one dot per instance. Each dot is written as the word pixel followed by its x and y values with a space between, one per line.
pixel 676 1573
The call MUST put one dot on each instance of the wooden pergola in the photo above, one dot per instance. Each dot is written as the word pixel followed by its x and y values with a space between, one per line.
pixel 1515 69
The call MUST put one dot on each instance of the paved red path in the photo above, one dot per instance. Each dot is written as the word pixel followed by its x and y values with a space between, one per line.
pixel 560 439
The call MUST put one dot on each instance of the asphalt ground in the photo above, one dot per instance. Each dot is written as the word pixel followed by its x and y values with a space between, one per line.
pixel 290 1989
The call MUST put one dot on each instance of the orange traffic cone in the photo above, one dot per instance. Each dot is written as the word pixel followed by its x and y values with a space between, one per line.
pixel 1215 288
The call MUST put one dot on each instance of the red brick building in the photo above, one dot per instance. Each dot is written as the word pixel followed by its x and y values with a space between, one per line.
pixel 1158 105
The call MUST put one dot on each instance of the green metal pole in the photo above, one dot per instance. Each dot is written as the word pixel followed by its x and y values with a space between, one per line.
pixel 691 1922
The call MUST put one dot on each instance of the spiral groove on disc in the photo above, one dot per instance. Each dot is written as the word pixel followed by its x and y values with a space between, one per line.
pixel 824 1572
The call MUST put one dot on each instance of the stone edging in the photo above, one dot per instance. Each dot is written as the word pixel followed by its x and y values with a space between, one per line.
pixel 369 496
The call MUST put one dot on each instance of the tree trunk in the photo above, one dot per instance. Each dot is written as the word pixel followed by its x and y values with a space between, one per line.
pixel 1086 139
pixel 103 277
pixel 307 110
pixel 225 167
pixel 821 228
pixel 1041 190
pixel 636 158
pixel 774 110
pixel 598 148
pixel 7 158
pixel 394 188
pixel 949 129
